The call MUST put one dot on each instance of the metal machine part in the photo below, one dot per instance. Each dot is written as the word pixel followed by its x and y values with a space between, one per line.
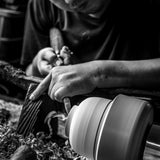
pixel 101 129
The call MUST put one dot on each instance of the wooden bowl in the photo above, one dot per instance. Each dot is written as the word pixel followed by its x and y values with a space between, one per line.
pixel 102 129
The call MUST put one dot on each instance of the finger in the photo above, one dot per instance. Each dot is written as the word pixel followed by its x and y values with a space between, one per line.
pixel 52 83
pixel 53 89
pixel 44 67
pixel 61 93
pixel 41 88
pixel 49 56
pixel 66 55
pixel 67 60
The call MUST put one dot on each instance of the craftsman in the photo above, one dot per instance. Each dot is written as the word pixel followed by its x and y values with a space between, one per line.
pixel 115 44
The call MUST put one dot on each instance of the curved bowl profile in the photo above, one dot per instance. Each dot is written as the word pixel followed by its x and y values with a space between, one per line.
pixel 101 129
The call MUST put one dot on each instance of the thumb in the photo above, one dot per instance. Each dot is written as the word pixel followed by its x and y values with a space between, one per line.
pixel 61 93
pixel 41 88
pixel 50 56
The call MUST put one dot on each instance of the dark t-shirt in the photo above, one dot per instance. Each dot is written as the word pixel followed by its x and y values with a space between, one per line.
pixel 125 30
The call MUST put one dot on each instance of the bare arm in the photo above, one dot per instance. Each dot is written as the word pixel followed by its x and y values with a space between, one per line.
pixel 71 80
pixel 139 74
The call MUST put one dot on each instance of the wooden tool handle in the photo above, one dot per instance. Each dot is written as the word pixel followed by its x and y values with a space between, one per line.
pixel 56 40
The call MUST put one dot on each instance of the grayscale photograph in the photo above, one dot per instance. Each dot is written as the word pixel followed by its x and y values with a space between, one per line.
pixel 79 80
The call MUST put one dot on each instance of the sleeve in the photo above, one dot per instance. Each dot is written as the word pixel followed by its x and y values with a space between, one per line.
pixel 39 19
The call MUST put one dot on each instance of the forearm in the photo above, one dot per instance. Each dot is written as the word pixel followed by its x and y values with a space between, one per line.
pixel 138 74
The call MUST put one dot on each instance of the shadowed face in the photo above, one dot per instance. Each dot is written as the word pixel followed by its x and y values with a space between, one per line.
pixel 84 6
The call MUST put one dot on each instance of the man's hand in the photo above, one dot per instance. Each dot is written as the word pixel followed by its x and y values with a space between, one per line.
pixel 71 80
pixel 46 59
pixel 67 81
pixel 42 63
